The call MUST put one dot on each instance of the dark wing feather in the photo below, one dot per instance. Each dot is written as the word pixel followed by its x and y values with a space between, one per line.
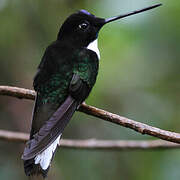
pixel 51 129
pixel 41 113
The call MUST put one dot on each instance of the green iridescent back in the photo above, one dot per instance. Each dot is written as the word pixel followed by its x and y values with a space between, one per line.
pixel 56 89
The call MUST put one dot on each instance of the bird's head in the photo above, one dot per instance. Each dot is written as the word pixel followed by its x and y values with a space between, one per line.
pixel 81 28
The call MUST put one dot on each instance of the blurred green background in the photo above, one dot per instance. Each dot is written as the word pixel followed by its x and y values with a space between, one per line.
pixel 138 78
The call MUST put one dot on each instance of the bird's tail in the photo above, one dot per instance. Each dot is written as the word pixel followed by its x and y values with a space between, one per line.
pixel 41 163
pixel 40 150
pixel 32 169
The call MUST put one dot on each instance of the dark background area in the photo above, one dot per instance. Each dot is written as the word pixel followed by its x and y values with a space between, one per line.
pixel 138 78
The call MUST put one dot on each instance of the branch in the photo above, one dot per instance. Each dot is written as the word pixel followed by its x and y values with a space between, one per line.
pixel 20 93
pixel 90 110
pixel 93 144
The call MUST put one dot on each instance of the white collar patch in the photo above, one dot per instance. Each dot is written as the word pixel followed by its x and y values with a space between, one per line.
pixel 94 47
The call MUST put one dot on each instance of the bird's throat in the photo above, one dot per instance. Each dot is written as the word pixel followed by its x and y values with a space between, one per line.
pixel 94 47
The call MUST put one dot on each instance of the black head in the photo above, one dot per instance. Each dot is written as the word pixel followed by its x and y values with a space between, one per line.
pixel 82 27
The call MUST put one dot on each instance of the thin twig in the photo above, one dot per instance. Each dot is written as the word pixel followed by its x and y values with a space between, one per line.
pixel 94 144
pixel 20 93
pixel 102 114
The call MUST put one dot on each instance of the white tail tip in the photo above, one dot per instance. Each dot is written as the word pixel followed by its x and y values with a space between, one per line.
pixel 44 158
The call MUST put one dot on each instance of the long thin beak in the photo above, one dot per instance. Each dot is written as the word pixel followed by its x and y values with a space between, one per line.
pixel 131 13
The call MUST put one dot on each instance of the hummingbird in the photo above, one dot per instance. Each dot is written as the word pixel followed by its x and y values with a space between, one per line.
pixel 64 79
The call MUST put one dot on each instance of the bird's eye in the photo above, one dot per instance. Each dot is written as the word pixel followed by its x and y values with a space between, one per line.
pixel 83 26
